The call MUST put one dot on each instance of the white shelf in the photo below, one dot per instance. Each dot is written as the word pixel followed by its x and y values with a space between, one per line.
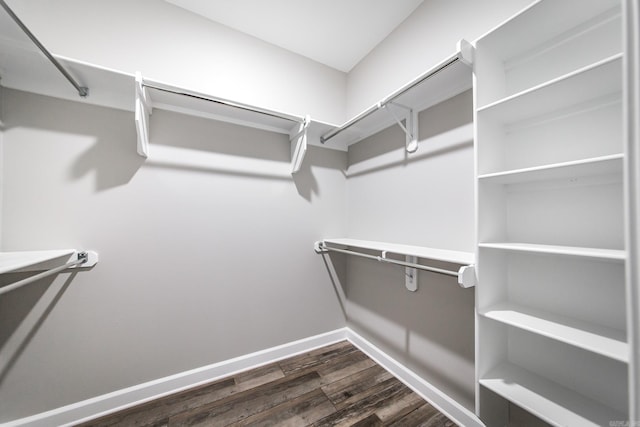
pixel 605 165
pixel 598 339
pixel 456 257
pixel 588 83
pixel 25 68
pixel 428 89
pixel 548 400
pixel 615 255
pixel 524 32
pixel 19 261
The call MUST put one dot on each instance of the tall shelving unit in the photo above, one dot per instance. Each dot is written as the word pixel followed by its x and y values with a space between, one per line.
pixel 551 319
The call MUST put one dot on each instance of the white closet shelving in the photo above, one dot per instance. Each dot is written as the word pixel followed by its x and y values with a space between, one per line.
pixel 446 79
pixel 551 325
pixel 465 274
pixel 19 261
pixel 25 68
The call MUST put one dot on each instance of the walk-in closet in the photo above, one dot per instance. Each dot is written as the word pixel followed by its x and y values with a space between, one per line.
pixel 320 213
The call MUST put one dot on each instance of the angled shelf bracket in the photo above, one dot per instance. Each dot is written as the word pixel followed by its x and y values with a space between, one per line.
pixel 410 125
pixel 298 142
pixel 143 110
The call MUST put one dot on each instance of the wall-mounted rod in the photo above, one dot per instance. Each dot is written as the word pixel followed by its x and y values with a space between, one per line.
pixel 224 102
pixel 82 90
pixel 391 261
pixel 82 258
pixel 326 137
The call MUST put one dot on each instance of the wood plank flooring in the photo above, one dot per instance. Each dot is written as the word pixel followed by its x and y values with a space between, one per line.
pixel 337 385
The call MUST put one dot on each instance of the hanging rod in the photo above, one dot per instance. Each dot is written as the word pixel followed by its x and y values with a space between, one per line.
pixel 82 90
pixel 327 136
pixel 83 257
pixel 225 102
pixel 390 260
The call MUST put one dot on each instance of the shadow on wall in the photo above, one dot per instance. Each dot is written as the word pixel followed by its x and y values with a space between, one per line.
pixel 178 141
pixel 209 146
pixel 431 331
pixel 112 155
pixel 23 311
pixel 443 129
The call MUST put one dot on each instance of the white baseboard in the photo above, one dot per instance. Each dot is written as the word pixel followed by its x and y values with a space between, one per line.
pixel 135 395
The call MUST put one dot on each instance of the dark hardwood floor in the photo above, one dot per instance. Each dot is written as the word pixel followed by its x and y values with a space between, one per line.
pixel 337 385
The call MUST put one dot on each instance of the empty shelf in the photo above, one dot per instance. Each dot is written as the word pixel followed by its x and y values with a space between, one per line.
pixel 605 165
pixel 591 82
pixel 457 257
pixel 550 401
pixel 595 253
pixel 14 261
pixel 599 339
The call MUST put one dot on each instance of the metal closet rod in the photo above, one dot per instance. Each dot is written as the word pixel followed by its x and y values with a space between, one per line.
pixel 223 102
pixel 392 261
pixel 82 90
pixel 326 137
pixel 82 258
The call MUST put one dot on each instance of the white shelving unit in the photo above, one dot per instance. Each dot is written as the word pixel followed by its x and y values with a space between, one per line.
pixel 551 319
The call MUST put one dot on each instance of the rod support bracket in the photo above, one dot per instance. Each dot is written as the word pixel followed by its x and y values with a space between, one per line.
pixel 465 52
pixel 410 126
pixel 411 274
pixel 467 276
pixel 319 248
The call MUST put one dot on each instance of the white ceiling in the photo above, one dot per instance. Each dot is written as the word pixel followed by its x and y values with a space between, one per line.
pixel 337 33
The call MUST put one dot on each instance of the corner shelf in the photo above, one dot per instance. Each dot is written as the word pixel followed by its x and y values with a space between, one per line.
pixel 448 78
pixel 546 399
pixel 598 339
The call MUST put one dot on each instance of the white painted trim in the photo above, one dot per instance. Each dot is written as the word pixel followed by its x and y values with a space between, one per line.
pixel 445 404
pixel 135 395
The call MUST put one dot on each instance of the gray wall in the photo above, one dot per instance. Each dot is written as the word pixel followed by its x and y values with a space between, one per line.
pixel 425 199
pixel 169 44
pixel 200 260
pixel 425 38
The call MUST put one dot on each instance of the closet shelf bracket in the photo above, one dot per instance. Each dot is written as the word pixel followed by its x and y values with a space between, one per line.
pixel 77 259
pixel 410 126
pixel 298 140
pixel 143 110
